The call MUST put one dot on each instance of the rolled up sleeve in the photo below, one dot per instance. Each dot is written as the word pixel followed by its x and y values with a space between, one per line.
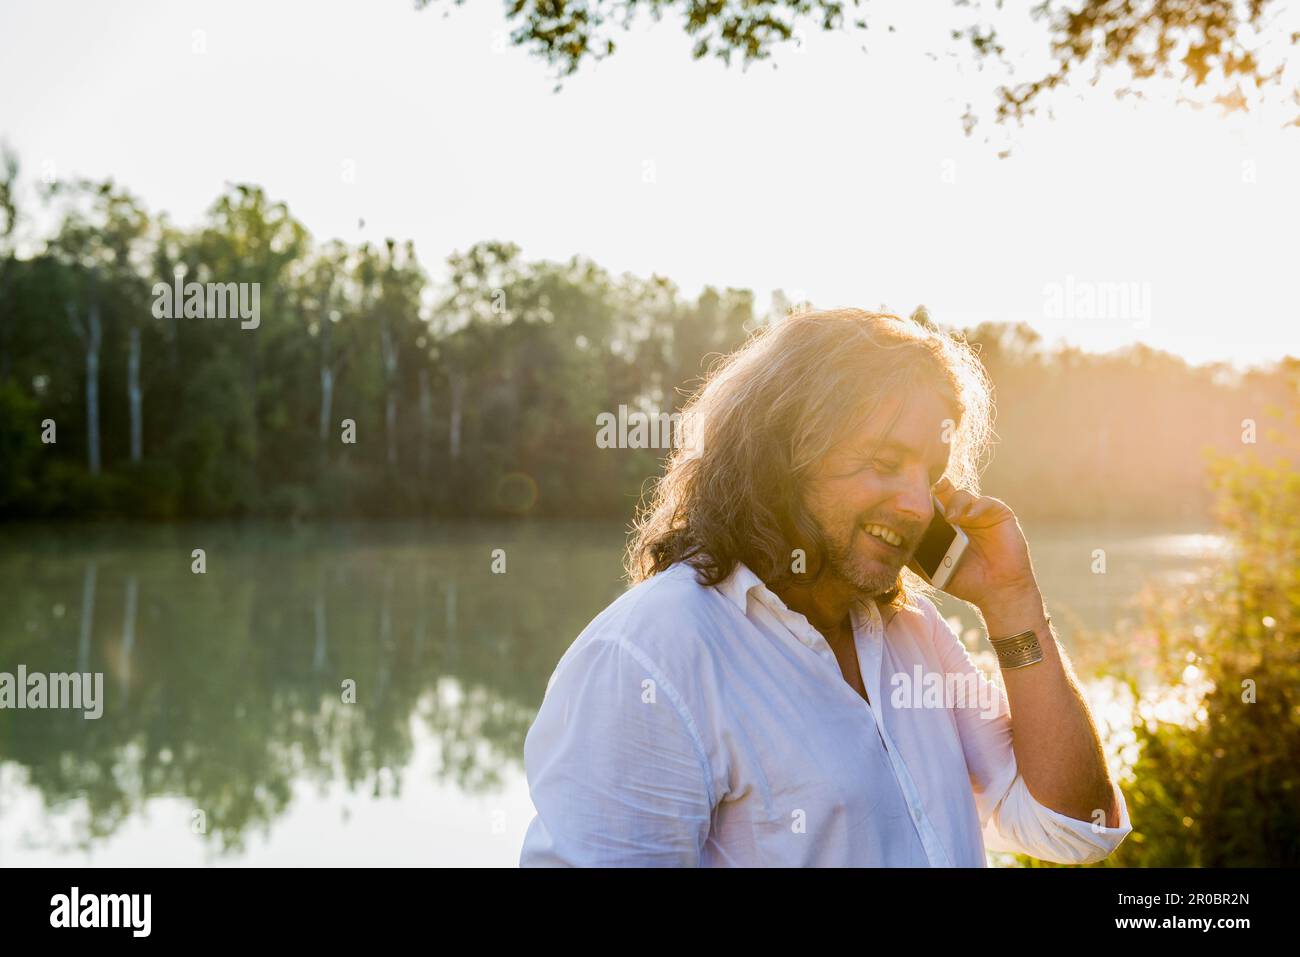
pixel 1019 823
pixel 1010 817
pixel 615 766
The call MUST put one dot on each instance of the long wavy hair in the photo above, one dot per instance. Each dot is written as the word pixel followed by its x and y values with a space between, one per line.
pixel 768 413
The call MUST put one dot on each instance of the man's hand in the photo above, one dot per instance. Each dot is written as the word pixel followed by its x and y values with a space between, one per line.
pixel 995 573
pixel 1055 738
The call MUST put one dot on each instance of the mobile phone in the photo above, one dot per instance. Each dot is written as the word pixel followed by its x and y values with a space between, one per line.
pixel 940 550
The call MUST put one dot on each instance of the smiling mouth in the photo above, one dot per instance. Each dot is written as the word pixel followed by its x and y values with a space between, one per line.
pixel 883 534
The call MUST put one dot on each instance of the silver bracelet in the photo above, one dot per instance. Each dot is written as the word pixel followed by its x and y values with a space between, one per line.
pixel 1018 650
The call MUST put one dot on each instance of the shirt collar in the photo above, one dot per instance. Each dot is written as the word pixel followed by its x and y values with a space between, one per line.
pixel 739 584
pixel 743 580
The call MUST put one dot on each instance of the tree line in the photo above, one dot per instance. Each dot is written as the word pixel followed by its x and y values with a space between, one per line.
pixel 366 389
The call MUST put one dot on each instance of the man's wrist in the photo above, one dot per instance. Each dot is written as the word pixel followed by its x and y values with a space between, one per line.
pixel 1014 612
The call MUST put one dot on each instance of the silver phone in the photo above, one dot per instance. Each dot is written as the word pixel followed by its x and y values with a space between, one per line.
pixel 940 550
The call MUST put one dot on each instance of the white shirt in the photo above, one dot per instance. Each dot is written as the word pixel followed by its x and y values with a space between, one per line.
pixel 712 726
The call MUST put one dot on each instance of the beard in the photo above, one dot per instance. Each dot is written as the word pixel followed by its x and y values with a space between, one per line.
pixel 859 565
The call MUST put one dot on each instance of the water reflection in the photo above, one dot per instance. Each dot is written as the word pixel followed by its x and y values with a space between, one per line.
pixel 226 736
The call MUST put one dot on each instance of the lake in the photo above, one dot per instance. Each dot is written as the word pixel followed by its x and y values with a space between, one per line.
pixel 353 694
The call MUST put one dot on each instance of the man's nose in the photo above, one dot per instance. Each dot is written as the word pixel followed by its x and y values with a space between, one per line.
pixel 914 498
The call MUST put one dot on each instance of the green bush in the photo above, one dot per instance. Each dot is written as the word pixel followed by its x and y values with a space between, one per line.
pixel 1220 787
pixel 1226 791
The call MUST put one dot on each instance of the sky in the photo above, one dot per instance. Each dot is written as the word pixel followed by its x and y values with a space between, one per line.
pixel 840 175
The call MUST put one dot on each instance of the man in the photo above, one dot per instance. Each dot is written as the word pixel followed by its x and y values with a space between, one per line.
pixel 734 707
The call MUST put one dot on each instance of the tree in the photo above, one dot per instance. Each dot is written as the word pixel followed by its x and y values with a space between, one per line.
pixel 251 238
pixel 90 331
pixel 8 223
pixel 477 300
pixel 327 282
pixel 102 238
pixel 1222 42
